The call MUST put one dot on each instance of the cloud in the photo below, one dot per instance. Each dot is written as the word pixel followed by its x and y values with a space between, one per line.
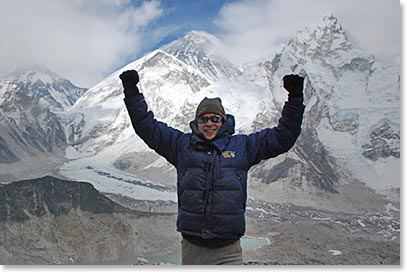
pixel 81 40
pixel 255 28
pixel 87 40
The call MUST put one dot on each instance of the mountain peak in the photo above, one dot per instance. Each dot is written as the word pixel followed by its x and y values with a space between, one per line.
pixel 40 83
pixel 202 51
pixel 194 42
pixel 327 35
pixel 32 73
pixel 202 37
pixel 327 28
pixel 329 21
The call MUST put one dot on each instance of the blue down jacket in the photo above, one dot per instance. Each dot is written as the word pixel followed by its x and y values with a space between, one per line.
pixel 212 175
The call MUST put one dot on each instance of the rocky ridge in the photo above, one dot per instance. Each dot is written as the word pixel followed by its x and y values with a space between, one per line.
pixel 54 221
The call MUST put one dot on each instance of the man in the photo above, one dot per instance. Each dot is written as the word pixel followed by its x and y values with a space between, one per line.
pixel 212 165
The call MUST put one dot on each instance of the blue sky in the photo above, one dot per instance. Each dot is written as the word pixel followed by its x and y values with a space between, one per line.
pixel 85 40
pixel 185 15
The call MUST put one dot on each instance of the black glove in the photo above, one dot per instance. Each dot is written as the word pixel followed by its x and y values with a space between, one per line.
pixel 130 79
pixel 294 84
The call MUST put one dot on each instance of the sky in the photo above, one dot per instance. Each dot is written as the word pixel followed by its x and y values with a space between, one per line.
pixel 85 41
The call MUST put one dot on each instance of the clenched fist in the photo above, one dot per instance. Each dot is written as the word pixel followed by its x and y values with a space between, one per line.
pixel 130 79
pixel 294 84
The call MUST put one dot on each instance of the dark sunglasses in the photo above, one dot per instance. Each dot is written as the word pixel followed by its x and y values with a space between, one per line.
pixel 214 119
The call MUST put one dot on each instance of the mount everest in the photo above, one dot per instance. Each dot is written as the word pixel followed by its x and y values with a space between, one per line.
pixel 350 139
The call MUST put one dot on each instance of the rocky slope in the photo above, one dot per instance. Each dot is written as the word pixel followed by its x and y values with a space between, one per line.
pixel 313 242
pixel 54 221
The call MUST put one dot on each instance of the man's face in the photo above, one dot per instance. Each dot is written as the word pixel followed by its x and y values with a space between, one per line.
pixel 209 124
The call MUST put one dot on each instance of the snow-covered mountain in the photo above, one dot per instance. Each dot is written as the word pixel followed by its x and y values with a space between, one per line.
pixel 201 50
pixel 350 135
pixel 347 154
pixel 31 133
pixel 351 130
pixel 45 86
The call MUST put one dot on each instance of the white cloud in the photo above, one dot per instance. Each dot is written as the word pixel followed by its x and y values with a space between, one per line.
pixel 86 40
pixel 254 28
pixel 81 40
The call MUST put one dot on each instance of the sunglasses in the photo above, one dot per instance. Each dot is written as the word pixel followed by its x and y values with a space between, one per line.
pixel 214 119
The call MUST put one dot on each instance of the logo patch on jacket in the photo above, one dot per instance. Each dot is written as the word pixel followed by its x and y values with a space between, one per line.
pixel 228 154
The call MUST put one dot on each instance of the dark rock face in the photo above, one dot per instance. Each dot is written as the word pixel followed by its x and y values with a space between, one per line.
pixel 279 171
pixel 6 155
pixel 383 142
pixel 313 162
pixel 53 221
pixel 19 201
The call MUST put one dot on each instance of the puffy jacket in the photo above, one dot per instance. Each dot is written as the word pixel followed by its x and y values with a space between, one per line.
pixel 212 175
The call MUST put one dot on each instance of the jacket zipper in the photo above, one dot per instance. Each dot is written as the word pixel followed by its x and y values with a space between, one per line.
pixel 210 170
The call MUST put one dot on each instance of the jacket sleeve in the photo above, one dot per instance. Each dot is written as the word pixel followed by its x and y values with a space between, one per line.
pixel 271 142
pixel 157 135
